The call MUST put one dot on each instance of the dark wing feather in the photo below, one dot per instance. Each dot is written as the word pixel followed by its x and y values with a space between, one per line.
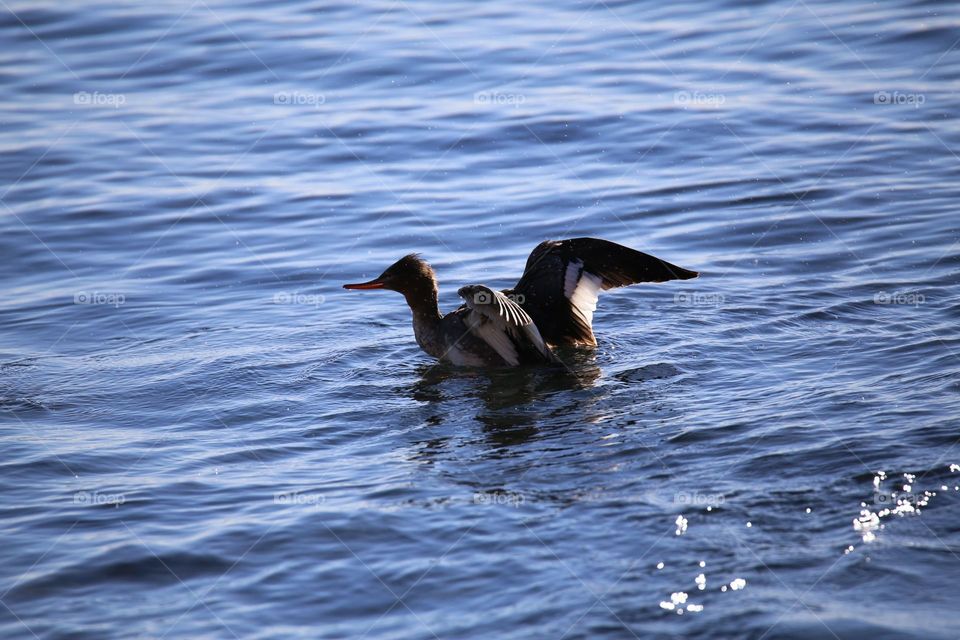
pixel 559 284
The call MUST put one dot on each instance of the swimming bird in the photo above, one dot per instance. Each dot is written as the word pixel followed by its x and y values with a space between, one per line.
pixel 551 305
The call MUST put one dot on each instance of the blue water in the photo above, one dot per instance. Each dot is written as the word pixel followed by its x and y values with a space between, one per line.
pixel 203 436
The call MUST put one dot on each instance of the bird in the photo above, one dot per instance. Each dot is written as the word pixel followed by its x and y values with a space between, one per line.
pixel 552 305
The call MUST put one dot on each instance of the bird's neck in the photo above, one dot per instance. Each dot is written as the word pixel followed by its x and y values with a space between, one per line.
pixel 426 319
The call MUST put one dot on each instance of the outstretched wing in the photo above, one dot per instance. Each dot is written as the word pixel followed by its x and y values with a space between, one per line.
pixel 503 324
pixel 563 279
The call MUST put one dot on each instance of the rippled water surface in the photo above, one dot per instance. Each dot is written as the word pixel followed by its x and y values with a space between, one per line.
pixel 203 436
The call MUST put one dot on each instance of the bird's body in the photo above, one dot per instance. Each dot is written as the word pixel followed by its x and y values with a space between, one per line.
pixel 551 305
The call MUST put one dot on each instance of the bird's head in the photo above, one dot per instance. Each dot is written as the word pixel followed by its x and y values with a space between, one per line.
pixel 410 275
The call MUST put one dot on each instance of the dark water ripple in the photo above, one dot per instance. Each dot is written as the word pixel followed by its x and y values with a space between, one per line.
pixel 205 437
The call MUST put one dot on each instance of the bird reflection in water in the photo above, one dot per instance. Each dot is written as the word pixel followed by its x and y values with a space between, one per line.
pixel 516 405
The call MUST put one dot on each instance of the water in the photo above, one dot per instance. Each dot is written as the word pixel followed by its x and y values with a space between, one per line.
pixel 205 437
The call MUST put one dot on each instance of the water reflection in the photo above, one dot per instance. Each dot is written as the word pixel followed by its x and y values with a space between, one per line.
pixel 515 405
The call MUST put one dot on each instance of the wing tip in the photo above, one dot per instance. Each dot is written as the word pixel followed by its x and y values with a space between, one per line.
pixel 675 272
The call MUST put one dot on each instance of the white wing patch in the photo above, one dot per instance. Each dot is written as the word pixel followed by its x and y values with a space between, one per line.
pixel 582 288
pixel 494 335
pixel 572 277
